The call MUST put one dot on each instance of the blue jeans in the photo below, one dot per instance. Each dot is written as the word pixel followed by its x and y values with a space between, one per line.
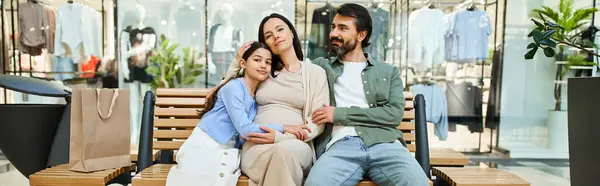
pixel 348 160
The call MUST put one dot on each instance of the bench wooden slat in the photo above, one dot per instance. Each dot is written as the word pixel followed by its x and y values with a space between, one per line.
pixel 180 102
pixel 447 157
pixel 177 112
pixel 411 147
pixel 167 145
pixel 409 105
pixel 172 134
pixel 156 175
pixel 409 137
pixel 408 95
pixel 406 126
pixel 61 175
pixel 473 176
pixel 175 123
pixel 408 116
pixel 182 92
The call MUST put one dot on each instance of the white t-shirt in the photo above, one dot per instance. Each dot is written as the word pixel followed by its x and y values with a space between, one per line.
pixel 348 91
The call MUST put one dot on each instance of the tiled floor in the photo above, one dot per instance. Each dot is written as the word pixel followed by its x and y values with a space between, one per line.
pixel 538 172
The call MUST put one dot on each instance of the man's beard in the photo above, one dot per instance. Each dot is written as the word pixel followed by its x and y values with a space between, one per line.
pixel 344 49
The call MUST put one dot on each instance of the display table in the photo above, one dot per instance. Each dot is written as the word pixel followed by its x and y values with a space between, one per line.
pixel 28 131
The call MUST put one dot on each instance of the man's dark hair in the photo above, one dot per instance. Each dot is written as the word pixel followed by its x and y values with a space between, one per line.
pixel 362 18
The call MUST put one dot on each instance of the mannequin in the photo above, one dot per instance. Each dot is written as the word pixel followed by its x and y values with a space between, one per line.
pixel 224 40
pixel 136 43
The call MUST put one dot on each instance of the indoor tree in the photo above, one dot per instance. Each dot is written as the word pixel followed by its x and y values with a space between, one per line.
pixel 560 28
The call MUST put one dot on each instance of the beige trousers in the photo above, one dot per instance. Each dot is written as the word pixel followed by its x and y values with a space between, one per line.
pixel 281 164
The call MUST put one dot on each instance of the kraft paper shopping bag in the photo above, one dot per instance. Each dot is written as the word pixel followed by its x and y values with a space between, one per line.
pixel 100 132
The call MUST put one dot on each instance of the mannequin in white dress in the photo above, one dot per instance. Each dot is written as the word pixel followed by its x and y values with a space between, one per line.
pixel 136 43
pixel 224 39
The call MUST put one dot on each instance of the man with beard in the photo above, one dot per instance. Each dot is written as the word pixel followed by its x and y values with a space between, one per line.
pixel 367 103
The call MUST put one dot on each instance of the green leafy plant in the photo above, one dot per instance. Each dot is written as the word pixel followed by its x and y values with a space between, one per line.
pixel 557 29
pixel 560 27
pixel 168 68
pixel 578 60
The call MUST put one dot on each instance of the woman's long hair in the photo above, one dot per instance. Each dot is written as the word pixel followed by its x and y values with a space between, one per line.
pixel 277 64
pixel 211 99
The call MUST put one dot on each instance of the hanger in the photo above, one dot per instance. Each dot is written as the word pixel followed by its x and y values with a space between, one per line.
pixel 431 6
pixel 472 7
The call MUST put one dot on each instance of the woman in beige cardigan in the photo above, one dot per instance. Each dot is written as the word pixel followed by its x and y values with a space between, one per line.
pixel 294 90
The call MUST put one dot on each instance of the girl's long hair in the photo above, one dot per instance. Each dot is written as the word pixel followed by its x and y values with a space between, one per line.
pixel 211 99
pixel 277 63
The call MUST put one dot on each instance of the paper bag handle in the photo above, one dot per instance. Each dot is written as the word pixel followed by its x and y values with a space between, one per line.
pixel 112 103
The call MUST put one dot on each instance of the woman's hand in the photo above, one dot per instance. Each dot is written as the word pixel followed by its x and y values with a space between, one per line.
pixel 300 131
pixel 242 50
pixel 263 138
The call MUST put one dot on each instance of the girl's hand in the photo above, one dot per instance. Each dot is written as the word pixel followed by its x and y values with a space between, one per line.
pixel 243 49
pixel 300 131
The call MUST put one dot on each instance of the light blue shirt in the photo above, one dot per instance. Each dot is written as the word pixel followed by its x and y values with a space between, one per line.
pixel 472 30
pixel 436 107
pixel 232 114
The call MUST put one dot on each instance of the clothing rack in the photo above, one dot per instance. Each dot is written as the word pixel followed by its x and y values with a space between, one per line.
pixel 16 56
pixel 14 49
pixel 455 5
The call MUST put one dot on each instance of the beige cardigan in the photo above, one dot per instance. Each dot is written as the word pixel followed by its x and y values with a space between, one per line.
pixel 316 93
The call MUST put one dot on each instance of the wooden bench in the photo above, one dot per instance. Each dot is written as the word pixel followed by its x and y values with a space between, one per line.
pixel 473 176
pixel 61 175
pixel 174 117
pixel 439 157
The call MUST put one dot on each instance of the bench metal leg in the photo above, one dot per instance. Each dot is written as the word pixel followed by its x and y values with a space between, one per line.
pixel 440 182
pixel 123 179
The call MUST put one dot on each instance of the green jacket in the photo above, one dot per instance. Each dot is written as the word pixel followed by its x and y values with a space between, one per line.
pixel 384 91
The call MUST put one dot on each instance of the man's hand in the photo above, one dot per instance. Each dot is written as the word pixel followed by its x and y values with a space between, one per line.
pixel 300 131
pixel 323 115
pixel 263 138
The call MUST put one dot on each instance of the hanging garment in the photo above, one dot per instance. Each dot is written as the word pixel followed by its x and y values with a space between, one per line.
pixel 51 13
pixel 318 40
pixel 436 109
pixel 33 28
pixel 472 29
pixel 426 37
pixel 492 117
pixel 379 35
pixel 70 29
pixel 89 67
pixel 63 64
pixel 92 35
pixel 451 43
pixel 465 105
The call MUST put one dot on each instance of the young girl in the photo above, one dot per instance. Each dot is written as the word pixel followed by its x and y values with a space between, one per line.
pixel 210 156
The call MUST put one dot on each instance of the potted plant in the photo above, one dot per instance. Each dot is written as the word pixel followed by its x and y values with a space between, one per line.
pixel 558 34
pixel 169 70
pixel 579 65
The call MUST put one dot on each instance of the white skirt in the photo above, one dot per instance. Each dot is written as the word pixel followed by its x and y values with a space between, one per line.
pixel 203 161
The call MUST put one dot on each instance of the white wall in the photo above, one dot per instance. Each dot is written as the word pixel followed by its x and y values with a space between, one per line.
pixel 527 85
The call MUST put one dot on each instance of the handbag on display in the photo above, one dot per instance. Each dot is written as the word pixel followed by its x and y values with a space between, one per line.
pixel 100 130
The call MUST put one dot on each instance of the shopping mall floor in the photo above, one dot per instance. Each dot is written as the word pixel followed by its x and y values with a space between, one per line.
pixel 538 172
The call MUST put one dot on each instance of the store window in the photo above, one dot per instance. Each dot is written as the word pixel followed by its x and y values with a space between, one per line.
pixel 233 22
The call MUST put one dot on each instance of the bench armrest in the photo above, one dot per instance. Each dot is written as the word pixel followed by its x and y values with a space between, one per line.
pixel 422 143
pixel 145 148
